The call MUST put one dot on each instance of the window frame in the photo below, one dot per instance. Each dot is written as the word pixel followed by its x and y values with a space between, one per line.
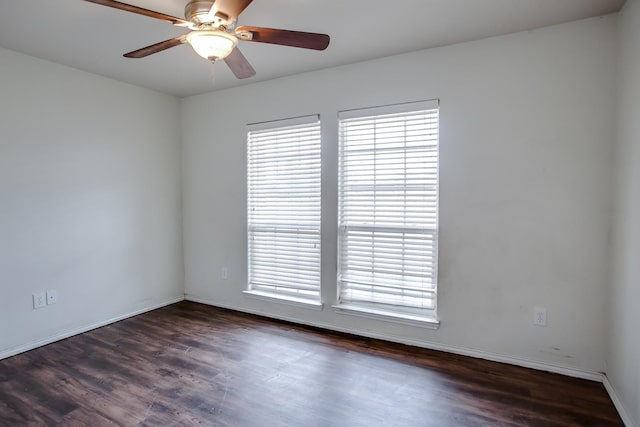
pixel 394 313
pixel 306 124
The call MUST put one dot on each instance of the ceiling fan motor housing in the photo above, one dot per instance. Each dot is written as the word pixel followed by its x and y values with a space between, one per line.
pixel 214 34
pixel 197 11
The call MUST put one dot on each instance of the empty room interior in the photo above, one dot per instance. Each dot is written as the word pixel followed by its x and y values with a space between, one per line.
pixel 362 213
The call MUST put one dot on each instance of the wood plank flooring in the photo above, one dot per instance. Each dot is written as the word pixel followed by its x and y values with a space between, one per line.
pixel 191 364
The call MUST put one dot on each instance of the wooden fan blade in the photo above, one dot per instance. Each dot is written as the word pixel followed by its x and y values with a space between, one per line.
pixel 239 65
pixel 140 11
pixel 155 48
pixel 287 38
pixel 230 8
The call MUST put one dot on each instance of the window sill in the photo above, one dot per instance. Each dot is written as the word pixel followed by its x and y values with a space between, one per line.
pixel 388 316
pixel 284 299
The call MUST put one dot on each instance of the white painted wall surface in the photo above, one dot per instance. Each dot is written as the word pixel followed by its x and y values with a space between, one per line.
pixel 623 359
pixel 89 199
pixel 526 134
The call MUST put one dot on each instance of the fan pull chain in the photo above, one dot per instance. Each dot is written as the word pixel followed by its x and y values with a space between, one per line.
pixel 213 74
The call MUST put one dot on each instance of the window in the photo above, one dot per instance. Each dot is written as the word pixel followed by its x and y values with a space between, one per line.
pixel 283 165
pixel 388 210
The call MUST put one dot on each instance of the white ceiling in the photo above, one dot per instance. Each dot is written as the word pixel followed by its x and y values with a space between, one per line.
pixel 93 38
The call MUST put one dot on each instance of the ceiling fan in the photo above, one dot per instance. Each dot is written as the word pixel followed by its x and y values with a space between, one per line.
pixel 214 34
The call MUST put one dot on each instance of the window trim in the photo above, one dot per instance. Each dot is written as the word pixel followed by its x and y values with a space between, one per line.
pixel 402 318
pixel 284 299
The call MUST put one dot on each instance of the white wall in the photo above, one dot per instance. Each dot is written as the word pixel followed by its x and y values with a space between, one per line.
pixel 89 199
pixel 526 133
pixel 623 359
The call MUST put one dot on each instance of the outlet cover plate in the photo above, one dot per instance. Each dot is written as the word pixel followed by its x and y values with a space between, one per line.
pixel 540 316
pixel 52 296
pixel 39 300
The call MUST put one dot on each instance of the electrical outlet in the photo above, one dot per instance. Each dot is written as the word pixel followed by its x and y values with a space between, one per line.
pixel 39 300
pixel 52 296
pixel 540 316
pixel 224 273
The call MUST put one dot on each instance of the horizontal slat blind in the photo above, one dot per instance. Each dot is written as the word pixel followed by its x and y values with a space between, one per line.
pixel 284 209
pixel 388 208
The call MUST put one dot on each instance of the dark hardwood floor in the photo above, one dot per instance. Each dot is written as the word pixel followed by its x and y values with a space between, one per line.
pixel 190 364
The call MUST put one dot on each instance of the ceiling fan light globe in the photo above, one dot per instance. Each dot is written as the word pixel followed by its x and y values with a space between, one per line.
pixel 212 44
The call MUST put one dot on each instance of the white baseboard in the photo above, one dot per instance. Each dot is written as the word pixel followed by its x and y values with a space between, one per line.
pixel 571 372
pixel 71 332
pixel 626 419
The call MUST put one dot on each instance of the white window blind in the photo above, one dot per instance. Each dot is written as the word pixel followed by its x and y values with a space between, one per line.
pixel 284 208
pixel 388 208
